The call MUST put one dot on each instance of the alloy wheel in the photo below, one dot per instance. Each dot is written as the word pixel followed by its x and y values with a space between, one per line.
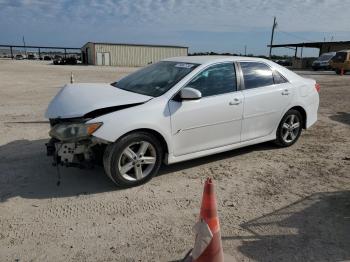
pixel 290 128
pixel 137 160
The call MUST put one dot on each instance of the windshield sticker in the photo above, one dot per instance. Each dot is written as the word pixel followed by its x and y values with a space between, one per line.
pixel 184 65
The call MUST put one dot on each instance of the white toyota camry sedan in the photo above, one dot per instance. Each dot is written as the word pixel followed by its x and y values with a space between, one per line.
pixel 178 109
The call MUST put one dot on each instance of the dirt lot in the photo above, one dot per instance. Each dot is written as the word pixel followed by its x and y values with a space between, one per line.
pixel 275 204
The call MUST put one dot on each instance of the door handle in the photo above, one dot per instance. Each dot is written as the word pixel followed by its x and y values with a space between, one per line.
pixel 285 92
pixel 235 102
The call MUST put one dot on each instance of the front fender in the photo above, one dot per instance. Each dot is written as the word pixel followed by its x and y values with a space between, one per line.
pixel 152 115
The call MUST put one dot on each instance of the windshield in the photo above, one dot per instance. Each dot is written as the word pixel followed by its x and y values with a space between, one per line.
pixel 156 79
pixel 340 57
pixel 325 57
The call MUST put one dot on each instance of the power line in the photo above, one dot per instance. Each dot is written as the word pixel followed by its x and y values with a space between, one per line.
pixel 295 36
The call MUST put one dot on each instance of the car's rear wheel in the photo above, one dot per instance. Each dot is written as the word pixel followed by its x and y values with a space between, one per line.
pixel 289 129
pixel 134 159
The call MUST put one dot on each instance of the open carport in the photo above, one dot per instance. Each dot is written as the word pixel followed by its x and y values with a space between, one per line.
pixel 323 47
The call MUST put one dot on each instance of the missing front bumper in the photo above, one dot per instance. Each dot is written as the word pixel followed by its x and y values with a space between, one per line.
pixel 84 153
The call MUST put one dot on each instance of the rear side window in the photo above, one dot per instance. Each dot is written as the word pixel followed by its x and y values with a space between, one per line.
pixel 215 80
pixel 278 78
pixel 256 75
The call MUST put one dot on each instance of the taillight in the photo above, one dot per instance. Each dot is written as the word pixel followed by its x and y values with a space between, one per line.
pixel 318 87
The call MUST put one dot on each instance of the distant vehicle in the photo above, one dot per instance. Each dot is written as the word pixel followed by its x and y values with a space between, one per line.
pixel 19 57
pixel 341 61
pixel 323 62
pixel 284 62
pixel 58 60
pixel 65 61
pixel 47 57
pixel 70 60
pixel 178 109
pixel 31 57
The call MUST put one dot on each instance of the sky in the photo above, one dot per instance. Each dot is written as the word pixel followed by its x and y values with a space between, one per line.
pixel 202 25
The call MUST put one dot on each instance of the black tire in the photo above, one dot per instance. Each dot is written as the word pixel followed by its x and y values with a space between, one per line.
pixel 280 141
pixel 113 154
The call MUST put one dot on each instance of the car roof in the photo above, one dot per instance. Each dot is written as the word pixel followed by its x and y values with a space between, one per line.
pixel 211 59
pixel 207 60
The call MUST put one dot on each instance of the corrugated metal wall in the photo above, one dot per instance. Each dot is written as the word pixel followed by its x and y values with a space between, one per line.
pixel 128 55
pixel 88 48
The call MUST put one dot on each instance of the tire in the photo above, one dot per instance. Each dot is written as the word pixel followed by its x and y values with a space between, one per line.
pixel 289 125
pixel 139 154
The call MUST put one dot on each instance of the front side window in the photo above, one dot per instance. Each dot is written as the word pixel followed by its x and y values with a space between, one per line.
pixel 156 79
pixel 256 75
pixel 215 80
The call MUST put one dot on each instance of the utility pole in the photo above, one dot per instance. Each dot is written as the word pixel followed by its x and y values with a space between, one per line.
pixel 272 34
pixel 24 44
pixel 245 50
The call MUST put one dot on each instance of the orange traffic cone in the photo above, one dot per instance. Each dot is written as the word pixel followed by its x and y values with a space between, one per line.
pixel 207 246
pixel 208 214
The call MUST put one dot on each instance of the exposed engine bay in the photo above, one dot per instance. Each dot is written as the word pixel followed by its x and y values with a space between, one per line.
pixel 78 151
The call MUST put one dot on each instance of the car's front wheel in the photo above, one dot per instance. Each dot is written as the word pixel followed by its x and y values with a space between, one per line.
pixel 134 159
pixel 289 129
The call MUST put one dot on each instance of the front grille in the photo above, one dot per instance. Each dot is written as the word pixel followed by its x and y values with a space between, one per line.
pixel 55 121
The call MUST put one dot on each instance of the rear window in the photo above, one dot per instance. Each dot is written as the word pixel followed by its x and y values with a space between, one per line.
pixel 339 57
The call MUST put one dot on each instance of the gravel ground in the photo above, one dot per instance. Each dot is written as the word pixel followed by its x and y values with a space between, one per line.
pixel 290 204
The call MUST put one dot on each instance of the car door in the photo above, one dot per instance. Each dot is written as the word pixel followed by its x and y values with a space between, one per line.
pixel 215 119
pixel 267 94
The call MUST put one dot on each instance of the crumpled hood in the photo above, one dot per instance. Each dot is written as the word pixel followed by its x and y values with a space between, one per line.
pixel 76 100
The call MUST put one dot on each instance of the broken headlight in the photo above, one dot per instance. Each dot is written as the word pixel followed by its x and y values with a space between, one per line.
pixel 73 131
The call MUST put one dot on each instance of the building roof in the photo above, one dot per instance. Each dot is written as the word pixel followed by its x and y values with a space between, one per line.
pixel 149 45
pixel 312 44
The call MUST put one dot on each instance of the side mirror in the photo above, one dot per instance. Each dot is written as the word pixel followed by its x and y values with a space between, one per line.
pixel 189 93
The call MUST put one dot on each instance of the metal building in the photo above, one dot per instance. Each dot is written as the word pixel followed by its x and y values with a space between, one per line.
pixel 115 54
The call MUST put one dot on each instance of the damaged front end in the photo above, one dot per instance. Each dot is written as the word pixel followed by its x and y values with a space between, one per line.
pixel 72 143
pixel 71 111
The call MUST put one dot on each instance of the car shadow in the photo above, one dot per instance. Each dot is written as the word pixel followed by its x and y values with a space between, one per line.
pixel 341 117
pixel 26 171
pixel 315 228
